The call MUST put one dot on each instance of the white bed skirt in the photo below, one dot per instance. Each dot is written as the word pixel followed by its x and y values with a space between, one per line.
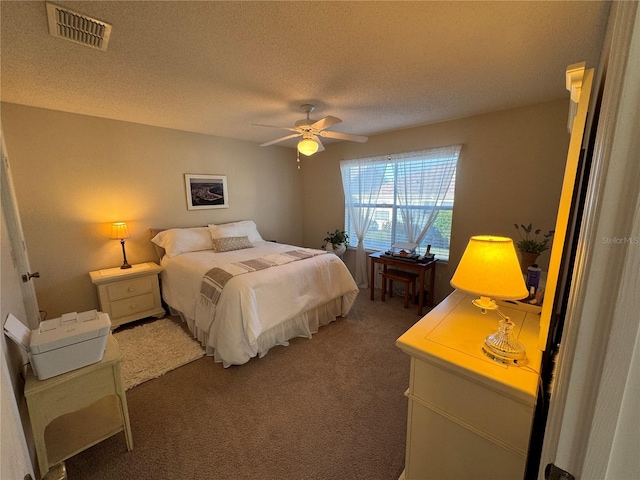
pixel 303 325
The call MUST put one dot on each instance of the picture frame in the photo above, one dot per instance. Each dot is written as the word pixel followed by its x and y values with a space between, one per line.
pixel 206 191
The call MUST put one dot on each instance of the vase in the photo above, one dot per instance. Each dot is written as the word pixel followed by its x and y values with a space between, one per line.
pixel 526 260
pixel 338 249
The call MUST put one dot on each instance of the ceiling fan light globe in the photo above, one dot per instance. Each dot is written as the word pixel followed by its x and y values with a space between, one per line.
pixel 307 147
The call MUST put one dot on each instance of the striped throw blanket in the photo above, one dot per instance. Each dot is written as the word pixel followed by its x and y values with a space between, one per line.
pixel 215 279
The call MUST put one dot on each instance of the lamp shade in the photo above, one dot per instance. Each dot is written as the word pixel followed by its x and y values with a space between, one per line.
pixel 307 146
pixel 119 231
pixel 489 267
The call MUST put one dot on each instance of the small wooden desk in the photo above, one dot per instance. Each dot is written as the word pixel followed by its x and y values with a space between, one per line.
pixel 419 268
pixel 73 411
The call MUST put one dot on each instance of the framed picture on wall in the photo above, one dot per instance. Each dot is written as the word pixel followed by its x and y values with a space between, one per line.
pixel 206 191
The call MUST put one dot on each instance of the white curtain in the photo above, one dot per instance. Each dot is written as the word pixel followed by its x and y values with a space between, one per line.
pixel 361 181
pixel 423 179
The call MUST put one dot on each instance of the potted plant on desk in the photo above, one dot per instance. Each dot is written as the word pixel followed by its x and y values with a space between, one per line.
pixel 336 242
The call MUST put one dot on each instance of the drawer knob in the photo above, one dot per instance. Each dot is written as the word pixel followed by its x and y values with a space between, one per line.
pixel 133 306
pixel 131 289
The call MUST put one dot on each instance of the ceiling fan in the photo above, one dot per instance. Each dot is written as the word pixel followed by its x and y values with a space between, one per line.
pixel 311 130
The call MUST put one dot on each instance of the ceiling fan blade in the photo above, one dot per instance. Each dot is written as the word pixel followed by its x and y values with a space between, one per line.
pixel 344 136
pixel 282 139
pixel 325 122
pixel 317 140
pixel 274 126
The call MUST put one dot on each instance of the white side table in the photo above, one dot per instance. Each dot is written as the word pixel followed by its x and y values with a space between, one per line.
pixel 73 411
pixel 129 294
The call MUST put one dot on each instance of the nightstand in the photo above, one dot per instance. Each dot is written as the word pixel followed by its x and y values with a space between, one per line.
pixel 73 411
pixel 468 416
pixel 129 294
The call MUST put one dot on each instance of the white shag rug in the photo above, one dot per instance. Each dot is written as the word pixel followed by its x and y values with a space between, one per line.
pixel 153 349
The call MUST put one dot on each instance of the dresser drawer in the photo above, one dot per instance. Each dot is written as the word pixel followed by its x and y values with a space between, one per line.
pixel 130 288
pixel 431 439
pixel 472 404
pixel 129 306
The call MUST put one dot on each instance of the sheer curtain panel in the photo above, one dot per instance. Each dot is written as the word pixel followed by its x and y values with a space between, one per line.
pixel 361 181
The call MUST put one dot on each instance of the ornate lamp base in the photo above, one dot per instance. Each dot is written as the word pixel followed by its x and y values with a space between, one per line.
pixel 503 347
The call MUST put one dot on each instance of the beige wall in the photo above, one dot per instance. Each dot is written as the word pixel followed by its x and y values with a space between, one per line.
pixel 510 171
pixel 74 175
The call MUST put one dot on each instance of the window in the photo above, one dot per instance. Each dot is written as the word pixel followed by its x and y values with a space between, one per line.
pixel 405 197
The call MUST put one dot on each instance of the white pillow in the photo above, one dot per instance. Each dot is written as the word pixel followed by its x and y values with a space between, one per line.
pixel 182 240
pixel 245 228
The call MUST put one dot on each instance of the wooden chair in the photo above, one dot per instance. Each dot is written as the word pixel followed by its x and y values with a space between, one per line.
pixel 393 275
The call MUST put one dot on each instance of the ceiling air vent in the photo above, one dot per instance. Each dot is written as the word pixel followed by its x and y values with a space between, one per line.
pixel 78 28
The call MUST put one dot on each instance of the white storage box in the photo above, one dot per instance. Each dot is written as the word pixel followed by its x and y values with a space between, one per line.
pixel 63 344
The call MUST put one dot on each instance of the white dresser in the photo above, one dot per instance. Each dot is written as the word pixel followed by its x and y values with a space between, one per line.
pixel 129 294
pixel 469 417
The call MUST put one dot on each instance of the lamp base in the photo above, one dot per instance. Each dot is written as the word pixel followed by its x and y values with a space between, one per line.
pixel 503 347
pixel 125 264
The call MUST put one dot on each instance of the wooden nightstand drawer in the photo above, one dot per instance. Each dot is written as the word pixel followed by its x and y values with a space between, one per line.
pixel 129 294
pixel 128 306
pixel 130 288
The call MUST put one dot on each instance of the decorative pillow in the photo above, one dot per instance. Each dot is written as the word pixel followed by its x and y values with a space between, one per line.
pixel 227 244
pixel 236 229
pixel 182 240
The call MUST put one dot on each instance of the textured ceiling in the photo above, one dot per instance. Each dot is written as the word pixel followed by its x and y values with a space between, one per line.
pixel 218 67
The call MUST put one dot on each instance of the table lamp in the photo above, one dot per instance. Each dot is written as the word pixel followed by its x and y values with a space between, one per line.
pixel 119 232
pixel 489 268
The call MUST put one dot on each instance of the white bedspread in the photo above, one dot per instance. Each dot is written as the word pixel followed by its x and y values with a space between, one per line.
pixel 258 310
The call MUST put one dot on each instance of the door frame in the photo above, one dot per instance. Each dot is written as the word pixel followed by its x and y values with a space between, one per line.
pixel 590 403
pixel 16 236
pixel 19 452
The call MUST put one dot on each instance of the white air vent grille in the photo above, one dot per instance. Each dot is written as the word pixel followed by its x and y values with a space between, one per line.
pixel 78 28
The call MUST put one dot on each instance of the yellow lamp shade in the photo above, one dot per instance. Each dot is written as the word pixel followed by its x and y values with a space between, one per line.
pixel 490 268
pixel 307 146
pixel 119 231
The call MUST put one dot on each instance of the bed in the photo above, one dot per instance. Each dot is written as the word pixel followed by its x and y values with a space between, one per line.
pixel 293 293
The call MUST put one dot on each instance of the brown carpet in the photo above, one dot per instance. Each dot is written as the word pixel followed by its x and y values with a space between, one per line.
pixel 332 407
